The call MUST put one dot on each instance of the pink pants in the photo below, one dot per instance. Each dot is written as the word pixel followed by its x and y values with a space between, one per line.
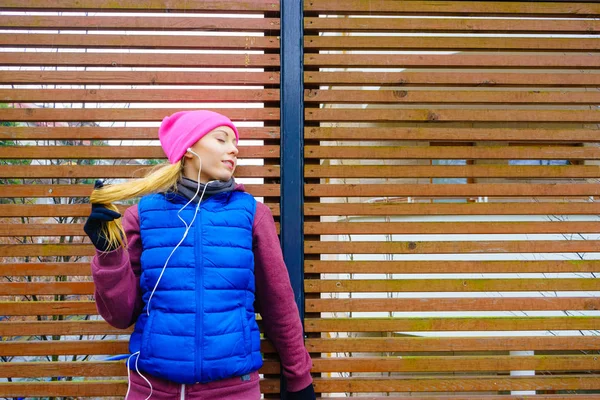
pixel 226 389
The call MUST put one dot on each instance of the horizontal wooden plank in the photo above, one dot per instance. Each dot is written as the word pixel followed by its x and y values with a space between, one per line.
pixel 514 8
pixel 105 133
pixel 458 60
pixel 457 383
pixel 35 328
pixel 404 43
pixel 137 95
pixel 88 369
pixel 28 308
pixel 403 247
pixel 43 288
pixel 452 304
pixel 434 78
pixel 451 209
pixel 457 25
pixel 441 134
pixel 450 267
pixel 63 347
pixel 449 190
pixel 126 114
pixel 63 369
pixel 106 388
pixel 114 152
pixel 133 23
pixel 453 344
pixel 47 250
pixel 64 210
pixel 78 347
pixel 426 228
pixel 146 6
pixel 448 96
pixel 154 78
pixel 144 60
pixel 451 115
pixel 449 324
pixel 425 285
pixel 82 190
pixel 456 364
pixel 453 152
pixel 55 229
pixel 121 41
pixel 114 171
pixel 449 171
pixel 45 269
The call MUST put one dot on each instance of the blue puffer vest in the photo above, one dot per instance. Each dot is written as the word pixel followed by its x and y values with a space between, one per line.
pixel 201 326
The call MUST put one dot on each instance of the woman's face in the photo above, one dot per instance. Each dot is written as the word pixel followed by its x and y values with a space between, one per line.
pixel 218 151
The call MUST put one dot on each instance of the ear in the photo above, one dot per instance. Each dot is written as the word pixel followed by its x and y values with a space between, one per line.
pixel 188 155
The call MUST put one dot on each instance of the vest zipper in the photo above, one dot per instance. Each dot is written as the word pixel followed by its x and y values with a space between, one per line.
pixel 199 294
pixel 182 396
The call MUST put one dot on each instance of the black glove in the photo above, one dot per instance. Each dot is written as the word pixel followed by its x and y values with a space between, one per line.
pixel 308 393
pixel 96 221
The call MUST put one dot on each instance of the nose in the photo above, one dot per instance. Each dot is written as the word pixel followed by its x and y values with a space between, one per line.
pixel 234 150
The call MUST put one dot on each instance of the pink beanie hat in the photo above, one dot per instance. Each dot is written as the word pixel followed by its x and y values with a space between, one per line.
pixel 183 129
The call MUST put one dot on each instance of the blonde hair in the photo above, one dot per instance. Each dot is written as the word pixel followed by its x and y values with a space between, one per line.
pixel 160 179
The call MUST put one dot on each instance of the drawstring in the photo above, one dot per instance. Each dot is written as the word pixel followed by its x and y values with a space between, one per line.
pixel 139 373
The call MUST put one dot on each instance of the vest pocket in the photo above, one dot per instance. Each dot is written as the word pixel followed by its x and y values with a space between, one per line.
pixel 246 331
pixel 145 348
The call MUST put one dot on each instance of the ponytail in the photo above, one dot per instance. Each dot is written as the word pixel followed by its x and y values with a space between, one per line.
pixel 159 179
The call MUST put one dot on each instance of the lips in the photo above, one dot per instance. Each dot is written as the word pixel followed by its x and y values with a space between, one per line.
pixel 229 163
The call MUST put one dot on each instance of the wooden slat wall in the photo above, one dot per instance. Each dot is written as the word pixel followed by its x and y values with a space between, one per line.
pixel 426 278
pixel 74 78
